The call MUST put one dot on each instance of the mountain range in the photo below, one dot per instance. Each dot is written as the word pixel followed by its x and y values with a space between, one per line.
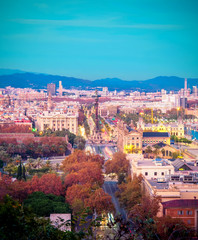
pixel 21 79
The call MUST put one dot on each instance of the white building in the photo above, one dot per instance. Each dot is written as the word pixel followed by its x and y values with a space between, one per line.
pixel 57 121
pixel 150 168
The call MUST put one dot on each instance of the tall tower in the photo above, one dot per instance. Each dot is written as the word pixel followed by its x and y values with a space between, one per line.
pixel 96 111
pixel 60 88
pixel 185 88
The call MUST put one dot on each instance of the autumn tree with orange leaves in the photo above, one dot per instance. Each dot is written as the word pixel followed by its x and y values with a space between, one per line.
pixel 83 182
pixel 16 189
pixel 83 196
pixel 19 190
pixel 79 156
pixel 48 183
pixel 87 172
pixel 119 165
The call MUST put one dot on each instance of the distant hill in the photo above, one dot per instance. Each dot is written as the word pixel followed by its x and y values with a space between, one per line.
pixel 39 81
pixel 5 71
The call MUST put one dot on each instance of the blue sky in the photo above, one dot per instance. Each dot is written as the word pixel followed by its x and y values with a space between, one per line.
pixel 128 39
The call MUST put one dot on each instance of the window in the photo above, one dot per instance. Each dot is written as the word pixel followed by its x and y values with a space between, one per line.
pixel 155 173
pixel 162 173
pixel 146 173
pixel 180 212
pixel 189 221
pixel 188 212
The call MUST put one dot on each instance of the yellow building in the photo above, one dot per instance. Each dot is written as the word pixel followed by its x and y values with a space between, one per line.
pixel 176 129
pixel 129 140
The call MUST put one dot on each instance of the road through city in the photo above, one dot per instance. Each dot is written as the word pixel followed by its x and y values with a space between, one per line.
pixel 110 187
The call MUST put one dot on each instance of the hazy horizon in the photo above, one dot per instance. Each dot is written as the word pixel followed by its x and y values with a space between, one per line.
pixel 93 40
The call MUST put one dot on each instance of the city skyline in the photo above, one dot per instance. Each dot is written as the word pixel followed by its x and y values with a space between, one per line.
pixel 128 40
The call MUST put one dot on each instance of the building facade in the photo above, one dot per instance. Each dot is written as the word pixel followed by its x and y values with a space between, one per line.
pixel 129 140
pixel 57 121
pixel 186 210
pixel 176 129
pixel 51 88
pixel 156 137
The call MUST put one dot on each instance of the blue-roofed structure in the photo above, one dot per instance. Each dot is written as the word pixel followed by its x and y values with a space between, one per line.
pixel 156 134
pixel 155 138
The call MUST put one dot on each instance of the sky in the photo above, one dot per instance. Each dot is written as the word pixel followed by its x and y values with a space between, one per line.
pixel 94 39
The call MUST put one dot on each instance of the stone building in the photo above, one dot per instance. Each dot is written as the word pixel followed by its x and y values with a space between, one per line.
pixel 57 121
pixel 129 140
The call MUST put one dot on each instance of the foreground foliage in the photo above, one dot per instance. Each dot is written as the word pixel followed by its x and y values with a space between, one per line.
pixel 17 222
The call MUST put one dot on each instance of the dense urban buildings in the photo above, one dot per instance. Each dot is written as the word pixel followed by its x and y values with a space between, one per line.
pixel 155 131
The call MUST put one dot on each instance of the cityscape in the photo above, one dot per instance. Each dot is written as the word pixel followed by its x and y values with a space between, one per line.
pixel 98 120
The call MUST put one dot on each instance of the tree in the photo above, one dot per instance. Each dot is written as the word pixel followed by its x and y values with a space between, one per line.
pixel 81 117
pixel 163 152
pixel 79 156
pixel 76 196
pixel 18 222
pixel 130 192
pixel 79 142
pixel 100 202
pixel 119 164
pixel 44 204
pixel 172 228
pixel 48 183
pixel 11 168
pixel 148 150
pixel 24 171
pixel 90 173
pixel 16 189
pixel 156 151
pixel 21 172
pixel 4 156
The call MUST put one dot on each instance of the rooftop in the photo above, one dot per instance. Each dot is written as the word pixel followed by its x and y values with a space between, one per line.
pixel 182 203
pixel 156 134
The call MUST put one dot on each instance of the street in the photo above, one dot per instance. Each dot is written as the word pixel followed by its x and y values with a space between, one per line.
pixel 110 187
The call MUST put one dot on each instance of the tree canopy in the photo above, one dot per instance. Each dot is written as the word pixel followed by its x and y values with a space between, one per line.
pixel 119 164
pixel 43 204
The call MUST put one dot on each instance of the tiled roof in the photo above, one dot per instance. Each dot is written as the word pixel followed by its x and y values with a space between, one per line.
pixel 182 203
pixel 180 164
pixel 156 134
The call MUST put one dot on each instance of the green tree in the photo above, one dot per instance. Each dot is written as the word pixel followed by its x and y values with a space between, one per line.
pixel 19 172
pixel 80 142
pixel 43 204
pixel 130 192
pixel 18 222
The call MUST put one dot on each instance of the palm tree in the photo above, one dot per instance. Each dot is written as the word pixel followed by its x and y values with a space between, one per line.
pixel 57 166
pixel 148 150
pixel 156 151
pixel 39 162
pixel 163 152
